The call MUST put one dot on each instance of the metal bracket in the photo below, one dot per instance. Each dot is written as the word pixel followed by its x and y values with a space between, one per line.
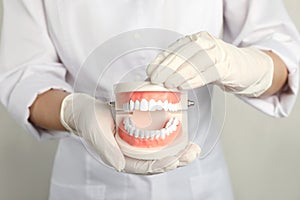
pixel 191 103
pixel 112 103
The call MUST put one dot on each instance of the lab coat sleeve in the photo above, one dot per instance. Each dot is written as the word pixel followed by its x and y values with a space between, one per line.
pixel 29 64
pixel 267 26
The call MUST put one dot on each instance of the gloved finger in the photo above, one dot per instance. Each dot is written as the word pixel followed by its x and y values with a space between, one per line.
pixel 200 61
pixel 165 69
pixel 210 75
pixel 137 166
pixel 186 156
pixel 189 69
pixel 173 61
pixel 108 150
pixel 153 65
pixel 161 56
pixel 192 83
pixel 191 152
pixel 183 74
pixel 103 139
pixel 165 164
pixel 204 39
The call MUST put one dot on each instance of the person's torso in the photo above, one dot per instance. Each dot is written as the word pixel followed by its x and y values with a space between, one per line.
pixel 102 43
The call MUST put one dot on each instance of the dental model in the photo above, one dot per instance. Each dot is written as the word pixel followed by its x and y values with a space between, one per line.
pixel 151 120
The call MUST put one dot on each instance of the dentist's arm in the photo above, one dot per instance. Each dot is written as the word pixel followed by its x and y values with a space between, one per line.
pixel 280 74
pixel 45 111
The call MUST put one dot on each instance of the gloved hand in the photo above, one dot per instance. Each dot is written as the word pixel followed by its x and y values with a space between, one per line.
pixel 185 157
pixel 92 120
pixel 200 59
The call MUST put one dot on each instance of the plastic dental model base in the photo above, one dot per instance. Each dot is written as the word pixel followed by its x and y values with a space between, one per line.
pixel 151 120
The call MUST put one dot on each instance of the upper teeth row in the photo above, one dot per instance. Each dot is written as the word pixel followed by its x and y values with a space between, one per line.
pixel 170 127
pixel 152 105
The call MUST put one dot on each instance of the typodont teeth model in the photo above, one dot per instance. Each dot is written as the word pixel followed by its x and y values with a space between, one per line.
pixel 151 120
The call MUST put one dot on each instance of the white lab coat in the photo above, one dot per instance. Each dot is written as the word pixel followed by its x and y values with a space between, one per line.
pixel 45 43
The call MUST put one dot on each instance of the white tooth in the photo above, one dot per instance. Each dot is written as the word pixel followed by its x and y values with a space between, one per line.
pixel 163 131
pixel 131 105
pixel 136 133
pixel 129 130
pixel 132 130
pixel 152 105
pixel 137 105
pixel 152 134
pixel 126 127
pixel 129 122
pixel 163 136
pixel 171 120
pixel 126 124
pixel 142 134
pixel 173 128
pixel 169 123
pixel 166 103
pixel 144 105
pixel 157 134
pixel 126 106
pixel 176 121
pixel 173 107
pixel 176 107
pixel 168 132
pixel 147 134
pixel 159 105
pixel 169 107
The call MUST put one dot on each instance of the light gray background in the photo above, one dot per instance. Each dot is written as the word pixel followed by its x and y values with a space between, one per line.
pixel 263 153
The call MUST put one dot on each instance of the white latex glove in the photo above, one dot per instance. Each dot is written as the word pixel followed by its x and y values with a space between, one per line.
pixel 200 59
pixel 92 120
pixel 185 157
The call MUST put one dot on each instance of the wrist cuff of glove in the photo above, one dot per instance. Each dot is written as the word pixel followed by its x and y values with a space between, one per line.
pixel 264 81
pixel 65 110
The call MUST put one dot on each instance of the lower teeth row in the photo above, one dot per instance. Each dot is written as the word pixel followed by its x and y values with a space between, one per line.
pixel 171 126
